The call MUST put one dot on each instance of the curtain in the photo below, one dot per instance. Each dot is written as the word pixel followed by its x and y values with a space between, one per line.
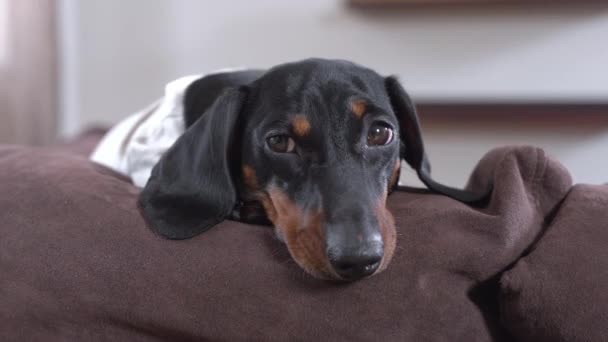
pixel 28 72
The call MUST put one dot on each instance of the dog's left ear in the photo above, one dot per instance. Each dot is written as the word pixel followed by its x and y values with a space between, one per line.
pixel 412 149
pixel 191 188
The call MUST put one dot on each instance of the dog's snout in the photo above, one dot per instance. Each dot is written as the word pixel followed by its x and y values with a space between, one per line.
pixel 358 262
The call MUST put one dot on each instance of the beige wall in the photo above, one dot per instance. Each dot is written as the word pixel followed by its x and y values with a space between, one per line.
pixel 455 146
pixel 117 55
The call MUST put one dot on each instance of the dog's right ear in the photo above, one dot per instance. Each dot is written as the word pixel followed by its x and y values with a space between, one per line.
pixel 412 150
pixel 191 188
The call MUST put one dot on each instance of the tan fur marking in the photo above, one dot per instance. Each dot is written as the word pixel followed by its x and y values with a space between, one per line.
pixel 395 176
pixel 271 212
pixel 358 107
pixel 302 232
pixel 249 177
pixel 388 231
pixel 301 125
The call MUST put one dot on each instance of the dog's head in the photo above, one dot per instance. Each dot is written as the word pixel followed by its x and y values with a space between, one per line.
pixel 318 144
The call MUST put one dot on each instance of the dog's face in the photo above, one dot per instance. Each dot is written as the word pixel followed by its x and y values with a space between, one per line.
pixel 318 144
pixel 320 151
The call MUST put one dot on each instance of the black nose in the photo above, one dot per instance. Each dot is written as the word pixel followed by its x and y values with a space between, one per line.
pixel 356 264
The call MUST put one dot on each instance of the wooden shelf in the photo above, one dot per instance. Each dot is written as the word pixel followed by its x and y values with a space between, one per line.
pixel 546 114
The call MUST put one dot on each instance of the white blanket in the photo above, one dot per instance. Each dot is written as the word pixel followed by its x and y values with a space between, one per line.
pixel 135 145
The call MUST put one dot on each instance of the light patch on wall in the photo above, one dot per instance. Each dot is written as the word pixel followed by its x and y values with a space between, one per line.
pixel 3 31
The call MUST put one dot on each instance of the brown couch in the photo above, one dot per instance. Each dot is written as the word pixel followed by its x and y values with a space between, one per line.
pixel 77 263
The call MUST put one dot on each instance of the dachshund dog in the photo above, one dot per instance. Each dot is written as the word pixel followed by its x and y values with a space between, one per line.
pixel 313 147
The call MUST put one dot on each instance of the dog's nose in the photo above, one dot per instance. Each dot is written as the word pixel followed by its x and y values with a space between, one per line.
pixel 353 264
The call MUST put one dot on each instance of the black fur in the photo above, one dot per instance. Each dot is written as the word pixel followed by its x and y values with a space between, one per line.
pixel 201 94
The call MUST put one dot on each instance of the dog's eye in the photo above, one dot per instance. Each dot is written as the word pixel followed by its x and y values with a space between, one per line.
pixel 281 143
pixel 379 134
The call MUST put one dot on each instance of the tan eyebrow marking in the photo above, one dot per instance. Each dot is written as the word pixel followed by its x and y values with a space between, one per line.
pixel 358 107
pixel 300 124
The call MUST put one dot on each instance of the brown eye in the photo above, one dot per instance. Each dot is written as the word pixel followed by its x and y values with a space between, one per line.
pixel 281 143
pixel 379 134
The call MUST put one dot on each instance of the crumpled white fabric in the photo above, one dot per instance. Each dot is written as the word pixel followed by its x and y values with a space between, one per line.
pixel 150 140
pixel 154 136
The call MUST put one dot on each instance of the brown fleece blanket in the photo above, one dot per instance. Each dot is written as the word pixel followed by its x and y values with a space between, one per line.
pixel 78 263
pixel 559 292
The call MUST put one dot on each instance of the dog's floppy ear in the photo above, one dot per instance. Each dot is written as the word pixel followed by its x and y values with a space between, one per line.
pixel 191 188
pixel 412 150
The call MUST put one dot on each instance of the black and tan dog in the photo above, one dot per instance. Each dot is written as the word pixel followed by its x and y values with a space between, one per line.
pixel 313 146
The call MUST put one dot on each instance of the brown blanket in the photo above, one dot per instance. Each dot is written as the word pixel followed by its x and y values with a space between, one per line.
pixel 559 292
pixel 78 263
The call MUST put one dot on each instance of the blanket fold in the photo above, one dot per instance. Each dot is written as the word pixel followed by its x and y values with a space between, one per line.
pixel 559 291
